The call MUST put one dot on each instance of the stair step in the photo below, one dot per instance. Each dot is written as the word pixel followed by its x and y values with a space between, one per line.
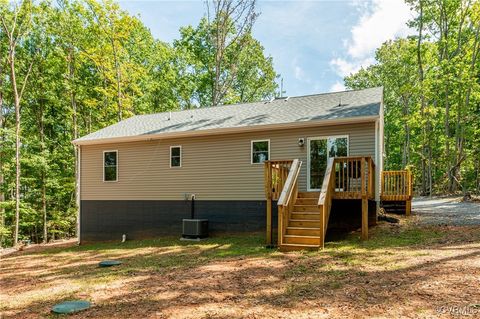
pixel 305 215
pixel 307 201
pixel 303 231
pixel 304 240
pixel 312 223
pixel 293 247
pixel 305 208
pixel 308 195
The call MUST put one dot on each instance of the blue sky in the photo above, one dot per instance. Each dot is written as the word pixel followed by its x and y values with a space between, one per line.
pixel 314 44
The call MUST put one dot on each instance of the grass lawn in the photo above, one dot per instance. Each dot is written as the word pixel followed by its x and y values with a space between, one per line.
pixel 402 271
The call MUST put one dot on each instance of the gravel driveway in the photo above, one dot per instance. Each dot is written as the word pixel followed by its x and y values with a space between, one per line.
pixel 446 211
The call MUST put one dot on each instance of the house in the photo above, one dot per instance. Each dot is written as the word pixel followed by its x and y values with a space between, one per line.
pixel 137 176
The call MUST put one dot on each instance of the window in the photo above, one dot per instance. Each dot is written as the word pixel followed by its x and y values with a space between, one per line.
pixel 110 166
pixel 175 156
pixel 260 151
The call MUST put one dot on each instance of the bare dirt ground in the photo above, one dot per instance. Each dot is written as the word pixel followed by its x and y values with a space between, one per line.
pixel 414 269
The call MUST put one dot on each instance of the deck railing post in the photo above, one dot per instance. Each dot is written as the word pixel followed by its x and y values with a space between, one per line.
pixel 408 204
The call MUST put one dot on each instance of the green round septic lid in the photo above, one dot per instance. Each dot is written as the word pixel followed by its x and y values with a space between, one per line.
pixel 109 263
pixel 71 306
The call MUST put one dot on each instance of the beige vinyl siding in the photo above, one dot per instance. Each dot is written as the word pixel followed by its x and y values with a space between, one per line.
pixel 213 167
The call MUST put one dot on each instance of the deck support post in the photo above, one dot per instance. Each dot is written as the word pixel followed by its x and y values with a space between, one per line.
pixel 280 226
pixel 408 203
pixel 269 222
pixel 408 207
pixel 364 201
pixel 364 219
pixel 268 195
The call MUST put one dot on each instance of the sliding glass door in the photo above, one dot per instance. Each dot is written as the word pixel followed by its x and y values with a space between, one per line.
pixel 319 150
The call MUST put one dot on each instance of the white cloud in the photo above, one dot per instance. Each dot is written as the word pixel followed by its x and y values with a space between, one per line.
pixel 346 67
pixel 380 21
pixel 299 74
pixel 387 20
pixel 338 86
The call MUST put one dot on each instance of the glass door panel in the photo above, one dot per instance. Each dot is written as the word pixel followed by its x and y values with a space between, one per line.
pixel 320 149
pixel 318 162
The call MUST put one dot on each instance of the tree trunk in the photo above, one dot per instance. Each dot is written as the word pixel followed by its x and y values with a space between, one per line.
pixel 73 102
pixel 447 141
pixel 118 75
pixel 43 176
pixel 16 99
pixel 406 144
pixel 2 195
pixel 422 99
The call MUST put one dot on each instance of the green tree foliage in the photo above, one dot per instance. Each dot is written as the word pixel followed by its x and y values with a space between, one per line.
pixel 90 64
pixel 432 96
pixel 246 73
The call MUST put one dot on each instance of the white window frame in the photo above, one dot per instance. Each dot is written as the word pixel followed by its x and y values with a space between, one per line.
pixel 308 155
pixel 103 166
pixel 170 158
pixel 251 150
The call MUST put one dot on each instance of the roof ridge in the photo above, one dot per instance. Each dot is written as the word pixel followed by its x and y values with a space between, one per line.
pixel 314 107
pixel 255 102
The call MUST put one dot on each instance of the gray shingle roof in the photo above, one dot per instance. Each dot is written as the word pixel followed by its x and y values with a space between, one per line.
pixel 318 107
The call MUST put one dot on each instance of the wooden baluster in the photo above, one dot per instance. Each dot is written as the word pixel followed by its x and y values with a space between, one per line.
pixel 339 179
pixel 359 171
pixel 387 176
pixel 349 175
pixel 399 176
pixel 390 178
pixel 385 182
pixel 388 184
pixel 395 180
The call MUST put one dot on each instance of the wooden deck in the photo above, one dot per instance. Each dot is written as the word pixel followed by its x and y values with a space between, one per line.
pixel 303 216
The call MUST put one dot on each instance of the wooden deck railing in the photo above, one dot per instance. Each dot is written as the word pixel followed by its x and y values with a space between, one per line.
pixel 276 173
pixel 287 199
pixel 398 186
pixel 354 177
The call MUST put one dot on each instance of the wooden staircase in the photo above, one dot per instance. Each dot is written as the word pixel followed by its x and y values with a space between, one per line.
pixel 303 216
pixel 303 225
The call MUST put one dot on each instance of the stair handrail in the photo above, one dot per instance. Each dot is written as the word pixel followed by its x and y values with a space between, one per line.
pixel 325 199
pixel 287 198
pixel 291 179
